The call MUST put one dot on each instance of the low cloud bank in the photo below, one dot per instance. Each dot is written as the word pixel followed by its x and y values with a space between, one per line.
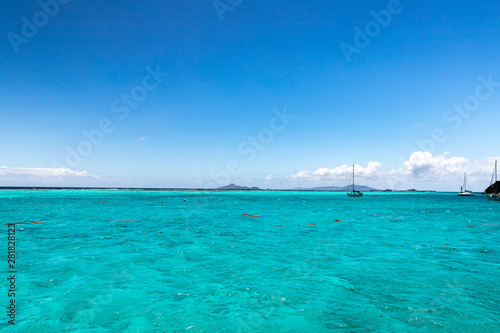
pixel 22 176
pixel 422 169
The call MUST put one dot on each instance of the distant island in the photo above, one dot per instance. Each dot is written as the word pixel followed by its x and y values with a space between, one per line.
pixel 346 188
pixel 232 187
pixel 337 188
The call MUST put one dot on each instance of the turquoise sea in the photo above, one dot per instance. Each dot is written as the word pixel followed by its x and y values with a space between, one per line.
pixel 167 261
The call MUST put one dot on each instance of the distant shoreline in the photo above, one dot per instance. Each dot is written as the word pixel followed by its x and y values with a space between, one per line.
pixel 203 189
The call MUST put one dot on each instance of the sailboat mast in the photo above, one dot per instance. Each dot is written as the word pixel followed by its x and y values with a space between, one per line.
pixel 496 182
pixel 353 177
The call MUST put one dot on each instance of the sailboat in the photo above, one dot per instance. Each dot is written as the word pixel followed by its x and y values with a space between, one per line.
pixel 354 193
pixel 464 192
pixel 496 195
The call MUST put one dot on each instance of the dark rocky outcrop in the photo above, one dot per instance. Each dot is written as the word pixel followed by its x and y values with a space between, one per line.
pixel 491 188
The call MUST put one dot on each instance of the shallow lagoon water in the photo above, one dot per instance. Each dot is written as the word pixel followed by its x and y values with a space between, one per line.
pixel 159 261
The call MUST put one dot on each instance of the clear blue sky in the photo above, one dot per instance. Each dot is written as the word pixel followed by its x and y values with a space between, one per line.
pixel 225 78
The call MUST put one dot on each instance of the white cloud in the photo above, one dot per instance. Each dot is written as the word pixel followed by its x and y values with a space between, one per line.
pixel 340 173
pixel 41 172
pixel 141 139
pixel 422 170
pixel 268 177
pixel 22 176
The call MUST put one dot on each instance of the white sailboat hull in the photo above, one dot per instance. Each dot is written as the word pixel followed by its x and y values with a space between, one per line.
pixel 464 192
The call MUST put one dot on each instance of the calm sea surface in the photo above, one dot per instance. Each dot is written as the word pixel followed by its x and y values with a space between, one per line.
pixel 148 261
